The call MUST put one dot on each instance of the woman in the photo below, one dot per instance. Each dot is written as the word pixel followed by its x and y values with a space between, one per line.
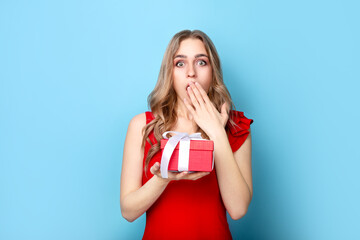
pixel 190 96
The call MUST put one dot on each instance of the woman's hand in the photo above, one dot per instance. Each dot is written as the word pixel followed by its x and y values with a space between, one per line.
pixel 155 169
pixel 204 112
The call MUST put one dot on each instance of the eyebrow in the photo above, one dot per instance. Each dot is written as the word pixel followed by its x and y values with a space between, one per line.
pixel 196 56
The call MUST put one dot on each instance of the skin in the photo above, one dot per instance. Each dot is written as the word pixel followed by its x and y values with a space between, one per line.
pixel 194 110
pixel 191 64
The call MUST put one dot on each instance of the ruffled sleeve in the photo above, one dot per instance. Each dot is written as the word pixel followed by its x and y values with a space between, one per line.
pixel 238 133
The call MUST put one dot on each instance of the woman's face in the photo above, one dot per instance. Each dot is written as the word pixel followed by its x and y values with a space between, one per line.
pixel 191 63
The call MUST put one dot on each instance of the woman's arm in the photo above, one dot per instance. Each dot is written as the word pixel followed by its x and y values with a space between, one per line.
pixel 234 175
pixel 134 198
pixel 233 170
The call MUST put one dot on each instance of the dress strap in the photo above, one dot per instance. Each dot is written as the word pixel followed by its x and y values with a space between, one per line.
pixel 149 117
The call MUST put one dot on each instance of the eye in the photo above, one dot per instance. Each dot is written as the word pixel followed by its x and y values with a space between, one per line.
pixel 202 62
pixel 179 64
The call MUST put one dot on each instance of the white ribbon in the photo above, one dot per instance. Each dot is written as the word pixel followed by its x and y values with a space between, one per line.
pixel 184 151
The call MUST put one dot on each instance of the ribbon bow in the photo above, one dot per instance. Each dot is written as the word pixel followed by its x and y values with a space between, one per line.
pixel 184 149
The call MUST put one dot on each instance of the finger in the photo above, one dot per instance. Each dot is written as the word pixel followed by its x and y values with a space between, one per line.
pixel 200 175
pixel 193 98
pixel 197 174
pixel 224 113
pixel 208 103
pixel 225 108
pixel 189 107
pixel 181 175
pixel 203 93
pixel 194 179
pixel 198 95
pixel 155 168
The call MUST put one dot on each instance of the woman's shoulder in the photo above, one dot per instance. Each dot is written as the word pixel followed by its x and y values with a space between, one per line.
pixel 138 121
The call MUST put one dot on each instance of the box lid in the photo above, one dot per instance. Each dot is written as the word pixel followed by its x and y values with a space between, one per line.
pixel 201 145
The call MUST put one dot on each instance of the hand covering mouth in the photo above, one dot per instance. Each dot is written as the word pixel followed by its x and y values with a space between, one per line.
pixel 188 85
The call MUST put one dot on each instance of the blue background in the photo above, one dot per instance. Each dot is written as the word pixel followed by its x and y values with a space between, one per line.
pixel 73 74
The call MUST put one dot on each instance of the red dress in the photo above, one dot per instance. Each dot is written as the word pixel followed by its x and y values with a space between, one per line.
pixel 190 209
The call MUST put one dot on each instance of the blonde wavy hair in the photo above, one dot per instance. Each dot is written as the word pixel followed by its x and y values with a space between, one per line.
pixel 163 99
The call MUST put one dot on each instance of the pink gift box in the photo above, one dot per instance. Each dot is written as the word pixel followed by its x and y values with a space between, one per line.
pixel 200 155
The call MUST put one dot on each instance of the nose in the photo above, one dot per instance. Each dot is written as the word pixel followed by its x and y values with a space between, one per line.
pixel 191 71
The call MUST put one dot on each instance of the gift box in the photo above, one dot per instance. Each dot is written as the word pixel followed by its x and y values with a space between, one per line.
pixel 184 152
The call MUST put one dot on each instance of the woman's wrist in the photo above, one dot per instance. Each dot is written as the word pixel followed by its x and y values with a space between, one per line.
pixel 221 133
pixel 162 181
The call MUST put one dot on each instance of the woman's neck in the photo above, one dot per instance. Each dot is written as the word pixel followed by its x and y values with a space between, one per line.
pixel 182 111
